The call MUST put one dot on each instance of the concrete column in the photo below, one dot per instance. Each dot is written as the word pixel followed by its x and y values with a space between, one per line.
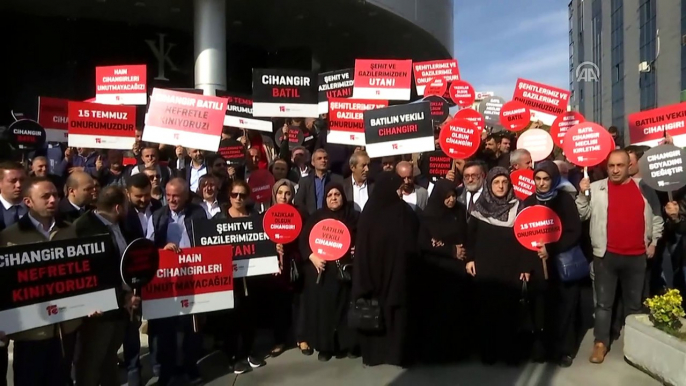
pixel 209 35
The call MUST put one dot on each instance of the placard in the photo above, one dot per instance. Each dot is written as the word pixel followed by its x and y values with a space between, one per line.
pixel 121 85
pixel 284 93
pixel 460 139
pixel 55 281
pixel 662 168
pixel 587 144
pixel 334 85
pixel 99 126
pixel 346 120
pixel 649 127
pixel 436 86
pixel 253 253
pixel 538 142
pixel 139 263
pixel 440 110
pixel 425 71
pixel 563 123
pixel 490 109
pixel 282 223
pixel 523 183
pixel 194 281
pixel 330 239
pixel 536 226
pixel 25 135
pixel 545 102
pixel 472 116
pixel 383 79
pixel 239 113
pixel 180 118
pixel 462 93
pixel 232 151
pixel 295 137
pixel 514 116
pixel 396 130
pixel 53 115
pixel 261 182
pixel 438 164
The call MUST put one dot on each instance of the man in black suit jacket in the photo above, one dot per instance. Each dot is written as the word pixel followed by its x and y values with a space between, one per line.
pixel 78 196
pixel 310 196
pixel 101 336
pixel 358 188
pixel 474 175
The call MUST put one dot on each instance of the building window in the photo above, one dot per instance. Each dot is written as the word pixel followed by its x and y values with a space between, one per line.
pixel 617 58
pixel 597 32
pixel 580 52
pixel 647 80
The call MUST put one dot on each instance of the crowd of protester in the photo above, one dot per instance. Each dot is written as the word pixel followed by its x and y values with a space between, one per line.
pixel 439 255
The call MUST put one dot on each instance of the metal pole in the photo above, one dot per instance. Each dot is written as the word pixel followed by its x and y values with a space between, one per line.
pixel 210 45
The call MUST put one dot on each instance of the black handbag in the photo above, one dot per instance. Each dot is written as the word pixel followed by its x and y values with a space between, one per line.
pixel 344 271
pixel 572 265
pixel 526 321
pixel 294 273
pixel 365 315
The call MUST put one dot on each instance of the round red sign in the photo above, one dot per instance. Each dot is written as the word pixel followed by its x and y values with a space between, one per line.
pixel 330 239
pixel 562 124
pixel 462 93
pixel 460 138
pixel 523 183
pixel 537 142
pixel 515 116
pixel 472 116
pixel 282 223
pixel 537 225
pixel 587 144
pixel 261 182
pixel 437 86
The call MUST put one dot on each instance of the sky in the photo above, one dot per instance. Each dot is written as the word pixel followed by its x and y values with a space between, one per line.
pixel 498 41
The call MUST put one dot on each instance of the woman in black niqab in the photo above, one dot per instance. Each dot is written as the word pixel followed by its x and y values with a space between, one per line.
pixel 325 304
pixel 442 276
pixel 386 248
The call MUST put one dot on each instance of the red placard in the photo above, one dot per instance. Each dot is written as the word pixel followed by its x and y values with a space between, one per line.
pixel 545 102
pixel 383 79
pixel 261 183
pixel 538 142
pixel 330 239
pixel 562 124
pixel 523 183
pixel 125 84
pixel 649 127
pixel 424 72
pixel 587 144
pixel 472 116
pixel 282 223
pixel 129 161
pixel 53 115
pixel 460 138
pixel 437 86
pixel 346 119
pixel 514 116
pixel 536 226
pixel 101 126
pixel 196 280
pixel 179 118
pixel 462 93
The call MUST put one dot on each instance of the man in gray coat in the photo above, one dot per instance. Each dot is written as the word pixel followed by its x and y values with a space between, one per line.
pixel 414 195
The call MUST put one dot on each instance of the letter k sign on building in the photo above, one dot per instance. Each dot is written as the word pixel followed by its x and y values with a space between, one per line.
pixel 161 51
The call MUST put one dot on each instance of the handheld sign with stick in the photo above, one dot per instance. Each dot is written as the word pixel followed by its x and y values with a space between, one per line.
pixel 282 223
pixel 329 240
pixel 536 226
pixel 587 144
pixel 662 168
pixel 139 264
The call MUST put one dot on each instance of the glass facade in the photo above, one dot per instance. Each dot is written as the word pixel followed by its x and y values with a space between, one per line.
pixel 597 32
pixel 617 58
pixel 571 54
pixel 683 46
pixel 647 81
pixel 580 51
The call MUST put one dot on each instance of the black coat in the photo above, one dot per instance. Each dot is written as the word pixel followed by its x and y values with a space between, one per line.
pixel 306 198
pixel 67 212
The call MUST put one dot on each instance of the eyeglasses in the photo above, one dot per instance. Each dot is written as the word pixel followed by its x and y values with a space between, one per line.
pixel 237 195
pixel 471 176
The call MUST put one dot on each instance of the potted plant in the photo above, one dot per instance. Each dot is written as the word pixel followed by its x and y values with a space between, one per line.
pixel 656 343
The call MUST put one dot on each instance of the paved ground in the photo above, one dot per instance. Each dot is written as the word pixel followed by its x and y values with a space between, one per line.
pixel 294 369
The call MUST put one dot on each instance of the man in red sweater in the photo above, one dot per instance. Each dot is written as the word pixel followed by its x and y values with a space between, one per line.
pixel 624 232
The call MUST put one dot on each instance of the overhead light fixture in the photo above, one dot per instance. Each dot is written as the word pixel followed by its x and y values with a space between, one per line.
pixel 300 17
pixel 139 4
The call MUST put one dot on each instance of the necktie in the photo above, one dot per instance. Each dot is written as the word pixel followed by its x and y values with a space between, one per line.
pixel 470 208
pixel 16 213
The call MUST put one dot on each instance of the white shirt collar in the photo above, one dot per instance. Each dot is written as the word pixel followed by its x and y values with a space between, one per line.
pixel 355 185
pixel 39 226
pixel 6 203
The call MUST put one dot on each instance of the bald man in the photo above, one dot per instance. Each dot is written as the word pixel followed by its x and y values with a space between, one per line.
pixel 78 192
pixel 413 194
pixel 170 227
